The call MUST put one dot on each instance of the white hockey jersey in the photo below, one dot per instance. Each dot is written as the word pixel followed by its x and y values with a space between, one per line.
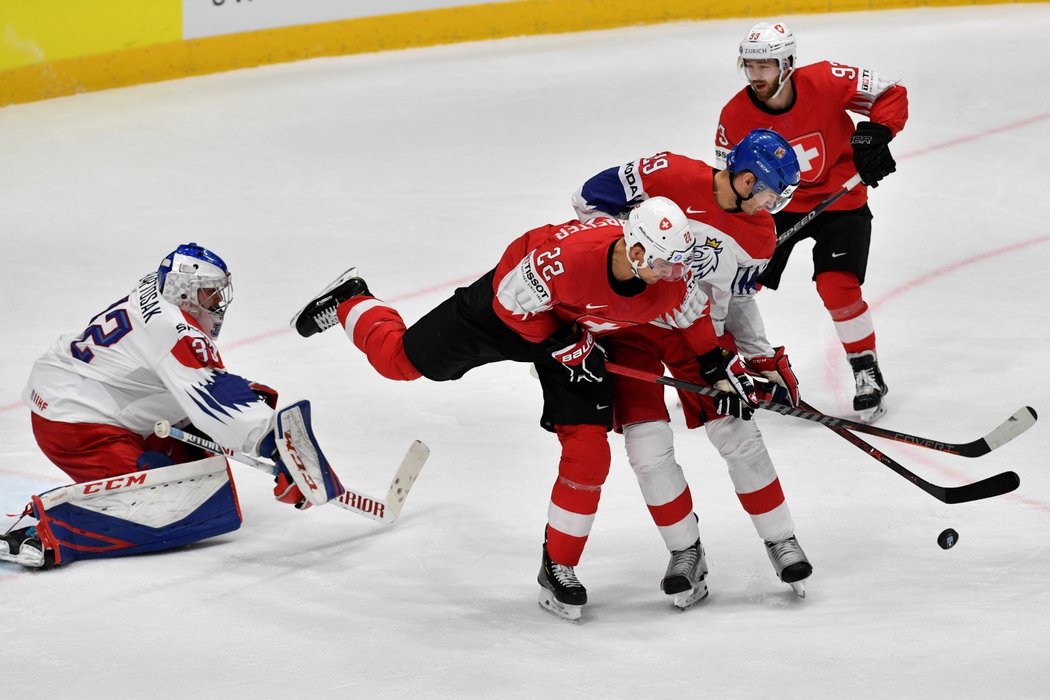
pixel 731 249
pixel 142 360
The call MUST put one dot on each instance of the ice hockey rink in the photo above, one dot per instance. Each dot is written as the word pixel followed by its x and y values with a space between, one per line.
pixel 419 167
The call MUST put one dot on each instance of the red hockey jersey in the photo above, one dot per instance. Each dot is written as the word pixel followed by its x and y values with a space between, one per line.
pixel 819 126
pixel 556 275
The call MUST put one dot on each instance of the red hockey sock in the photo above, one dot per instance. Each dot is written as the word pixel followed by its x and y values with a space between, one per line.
pixel 584 465
pixel 841 294
pixel 378 331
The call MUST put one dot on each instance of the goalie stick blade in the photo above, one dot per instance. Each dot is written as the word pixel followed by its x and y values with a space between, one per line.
pixel 403 479
pixel 986 488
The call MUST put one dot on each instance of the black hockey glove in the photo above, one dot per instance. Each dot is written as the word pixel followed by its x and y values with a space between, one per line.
pixel 871 152
pixel 579 354
pixel 729 376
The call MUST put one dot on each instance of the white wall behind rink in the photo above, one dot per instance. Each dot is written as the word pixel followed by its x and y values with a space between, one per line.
pixel 201 18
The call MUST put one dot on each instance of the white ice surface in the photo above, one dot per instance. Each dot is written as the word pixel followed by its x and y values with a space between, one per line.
pixel 419 167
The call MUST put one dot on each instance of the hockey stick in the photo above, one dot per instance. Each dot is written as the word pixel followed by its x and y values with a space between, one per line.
pixel 1023 419
pixel 385 511
pixel 846 187
pixel 985 488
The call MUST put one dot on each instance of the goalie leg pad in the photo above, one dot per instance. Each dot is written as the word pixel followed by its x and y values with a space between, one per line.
pixel 140 512
pixel 301 456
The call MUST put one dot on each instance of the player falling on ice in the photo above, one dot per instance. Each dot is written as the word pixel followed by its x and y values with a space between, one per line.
pixel 96 395
pixel 735 204
pixel 554 292
pixel 810 106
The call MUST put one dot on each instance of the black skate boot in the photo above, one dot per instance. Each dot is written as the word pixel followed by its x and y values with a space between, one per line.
pixel 685 576
pixel 320 314
pixel 561 593
pixel 790 563
pixel 22 546
pixel 870 386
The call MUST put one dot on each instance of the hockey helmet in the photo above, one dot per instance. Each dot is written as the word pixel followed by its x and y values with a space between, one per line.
pixel 769 42
pixel 198 282
pixel 662 229
pixel 772 160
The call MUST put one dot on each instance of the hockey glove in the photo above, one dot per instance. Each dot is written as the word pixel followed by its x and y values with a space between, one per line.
pixel 728 375
pixel 777 369
pixel 266 394
pixel 579 354
pixel 285 489
pixel 871 152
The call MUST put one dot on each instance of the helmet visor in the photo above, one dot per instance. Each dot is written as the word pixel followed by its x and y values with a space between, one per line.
pixel 767 198
pixel 672 268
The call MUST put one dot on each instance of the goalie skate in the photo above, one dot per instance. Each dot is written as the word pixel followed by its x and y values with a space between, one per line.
pixel 686 576
pixel 561 593
pixel 24 548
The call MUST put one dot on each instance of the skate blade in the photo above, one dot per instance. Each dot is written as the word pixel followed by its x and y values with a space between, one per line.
pixel 29 557
pixel 799 588
pixel 570 613
pixel 871 415
pixel 687 599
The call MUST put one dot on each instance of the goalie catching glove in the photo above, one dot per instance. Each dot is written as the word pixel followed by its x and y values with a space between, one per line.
pixel 727 374
pixel 777 369
pixel 577 351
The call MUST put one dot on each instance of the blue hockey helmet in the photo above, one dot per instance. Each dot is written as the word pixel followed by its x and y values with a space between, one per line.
pixel 198 282
pixel 771 158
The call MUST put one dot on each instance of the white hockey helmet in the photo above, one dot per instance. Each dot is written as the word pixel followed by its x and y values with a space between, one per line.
pixel 770 42
pixel 662 229
pixel 198 282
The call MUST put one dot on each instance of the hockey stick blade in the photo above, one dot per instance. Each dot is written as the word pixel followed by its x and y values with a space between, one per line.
pixel 1019 422
pixel 985 488
pixel 404 478
pixel 351 499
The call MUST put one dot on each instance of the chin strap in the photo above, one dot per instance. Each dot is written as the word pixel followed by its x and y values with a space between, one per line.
pixel 739 199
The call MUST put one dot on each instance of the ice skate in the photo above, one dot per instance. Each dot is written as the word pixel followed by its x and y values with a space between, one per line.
pixel 320 314
pixel 790 563
pixel 561 593
pixel 23 547
pixel 685 578
pixel 871 389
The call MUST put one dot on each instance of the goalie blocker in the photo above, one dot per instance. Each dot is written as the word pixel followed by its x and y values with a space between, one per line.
pixel 134 513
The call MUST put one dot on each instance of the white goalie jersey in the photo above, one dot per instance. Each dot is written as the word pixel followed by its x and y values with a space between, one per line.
pixel 142 360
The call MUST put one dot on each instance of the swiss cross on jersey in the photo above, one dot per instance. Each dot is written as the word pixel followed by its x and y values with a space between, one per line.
pixel 812 155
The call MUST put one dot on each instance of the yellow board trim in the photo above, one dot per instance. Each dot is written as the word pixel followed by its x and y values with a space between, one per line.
pixel 176 59
pixel 44 31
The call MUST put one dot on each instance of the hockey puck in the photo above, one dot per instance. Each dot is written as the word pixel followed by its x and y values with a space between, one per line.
pixel 948 538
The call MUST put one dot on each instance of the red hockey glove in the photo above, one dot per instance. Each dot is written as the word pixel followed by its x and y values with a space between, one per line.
pixel 777 369
pixel 871 152
pixel 266 394
pixel 728 375
pixel 578 352
pixel 286 491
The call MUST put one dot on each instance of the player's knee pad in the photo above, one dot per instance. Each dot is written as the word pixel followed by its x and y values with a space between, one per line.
pixel 139 512
pixel 741 445
pixel 650 447
pixel 585 454
pixel 838 290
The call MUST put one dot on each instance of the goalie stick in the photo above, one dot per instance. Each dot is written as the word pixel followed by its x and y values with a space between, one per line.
pixel 1023 419
pixel 985 488
pixel 385 511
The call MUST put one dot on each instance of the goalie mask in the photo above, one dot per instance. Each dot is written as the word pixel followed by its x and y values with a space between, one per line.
pixel 772 160
pixel 769 42
pixel 660 227
pixel 198 282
